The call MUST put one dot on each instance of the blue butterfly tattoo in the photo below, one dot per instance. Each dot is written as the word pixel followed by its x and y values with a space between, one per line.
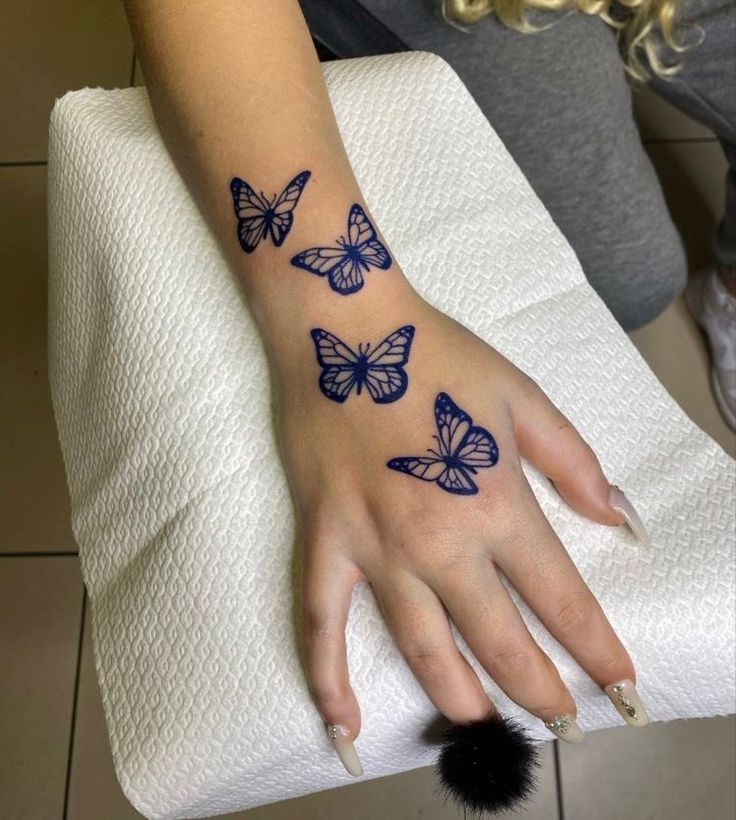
pixel 258 215
pixel 381 370
pixel 462 449
pixel 345 264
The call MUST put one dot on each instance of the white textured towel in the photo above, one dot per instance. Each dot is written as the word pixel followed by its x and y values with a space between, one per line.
pixel 180 506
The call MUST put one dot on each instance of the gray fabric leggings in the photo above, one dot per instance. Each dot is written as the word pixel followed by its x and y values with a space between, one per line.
pixel 560 101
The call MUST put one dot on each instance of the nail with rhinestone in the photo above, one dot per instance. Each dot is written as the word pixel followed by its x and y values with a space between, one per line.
pixel 566 728
pixel 621 504
pixel 345 749
pixel 626 699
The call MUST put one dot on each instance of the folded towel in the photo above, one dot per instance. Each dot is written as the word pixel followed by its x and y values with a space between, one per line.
pixel 180 506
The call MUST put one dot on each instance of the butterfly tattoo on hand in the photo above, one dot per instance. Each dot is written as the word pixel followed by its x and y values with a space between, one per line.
pixel 381 370
pixel 259 216
pixel 345 264
pixel 462 449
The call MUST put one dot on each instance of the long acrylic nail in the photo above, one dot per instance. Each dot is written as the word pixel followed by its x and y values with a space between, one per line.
pixel 618 501
pixel 566 728
pixel 626 699
pixel 345 749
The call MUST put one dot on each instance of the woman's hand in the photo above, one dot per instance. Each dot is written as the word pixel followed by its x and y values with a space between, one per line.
pixel 243 123
pixel 428 552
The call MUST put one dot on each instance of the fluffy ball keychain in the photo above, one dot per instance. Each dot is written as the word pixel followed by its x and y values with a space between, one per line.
pixel 488 765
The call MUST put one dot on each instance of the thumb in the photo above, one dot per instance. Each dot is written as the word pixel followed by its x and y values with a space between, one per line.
pixel 549 440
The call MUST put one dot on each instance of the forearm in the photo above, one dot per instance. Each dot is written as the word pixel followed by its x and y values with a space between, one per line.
pixel 237 91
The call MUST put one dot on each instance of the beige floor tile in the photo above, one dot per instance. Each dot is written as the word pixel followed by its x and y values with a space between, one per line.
pixel 94 791
pixel 693 176
pixel 40 611
pixel 676 351
pixel 34 504
pixel 49 48
pixel 659 120
pixel 683 770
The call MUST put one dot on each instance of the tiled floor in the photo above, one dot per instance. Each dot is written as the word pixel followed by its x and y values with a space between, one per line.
pixel 54 753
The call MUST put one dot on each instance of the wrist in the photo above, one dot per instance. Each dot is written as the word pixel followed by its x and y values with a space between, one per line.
pixel 285 322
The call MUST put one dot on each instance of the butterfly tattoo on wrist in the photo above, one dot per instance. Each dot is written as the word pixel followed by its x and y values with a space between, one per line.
pixel 381 370
pixel 345 263
pixel 259 216
pixel 462 449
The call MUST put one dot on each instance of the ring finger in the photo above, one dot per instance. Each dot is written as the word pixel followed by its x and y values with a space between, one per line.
pixel 496 633
pixel 422 632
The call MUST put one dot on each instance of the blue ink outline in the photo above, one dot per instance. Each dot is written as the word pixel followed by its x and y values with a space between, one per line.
pixel 345 264
pixel 274 216
pixel 454 461
pixel 380 370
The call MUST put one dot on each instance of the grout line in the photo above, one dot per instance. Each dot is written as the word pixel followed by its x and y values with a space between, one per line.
pixel 558 780
pixel 132 69
pixel 22 162
pixel 62 554
pixel 678 140
pixel 74 704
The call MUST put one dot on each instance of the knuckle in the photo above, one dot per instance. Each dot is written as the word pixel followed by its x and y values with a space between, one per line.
pixel 575 613
pixel 512 662
pixel 328 696
pixel 428 660
pixel 613 667
pixel 317 626
pixel 586 459
pixel 527 384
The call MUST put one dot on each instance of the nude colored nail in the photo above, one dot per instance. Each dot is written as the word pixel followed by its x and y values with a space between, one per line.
pixel 626 699
pixel 345 749
pixel 619 502
pixel 566 728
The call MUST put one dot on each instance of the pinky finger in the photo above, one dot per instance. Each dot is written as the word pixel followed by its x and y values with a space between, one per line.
pixel 327 585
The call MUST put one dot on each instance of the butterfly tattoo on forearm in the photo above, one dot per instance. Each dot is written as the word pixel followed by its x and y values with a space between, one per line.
pixel 259 216
pixel 380 370
pixel 345 263
pixel 462 449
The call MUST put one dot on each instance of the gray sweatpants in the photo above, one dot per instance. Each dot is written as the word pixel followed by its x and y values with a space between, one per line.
pixel 560 101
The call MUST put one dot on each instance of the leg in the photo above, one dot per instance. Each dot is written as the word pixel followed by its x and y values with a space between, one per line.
pixel 705 89
pixel 560 102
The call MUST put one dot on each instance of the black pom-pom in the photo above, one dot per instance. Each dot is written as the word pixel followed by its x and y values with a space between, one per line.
pixel 488 765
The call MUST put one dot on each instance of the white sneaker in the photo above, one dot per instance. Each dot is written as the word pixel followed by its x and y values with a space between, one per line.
pixel 714 308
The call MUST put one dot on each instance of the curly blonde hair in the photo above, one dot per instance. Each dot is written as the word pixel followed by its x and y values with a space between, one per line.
pixel 635 27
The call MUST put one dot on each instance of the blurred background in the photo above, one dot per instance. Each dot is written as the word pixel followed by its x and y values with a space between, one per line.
pixel 55 759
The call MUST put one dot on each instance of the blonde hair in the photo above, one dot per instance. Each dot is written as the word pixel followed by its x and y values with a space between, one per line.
pixel 635 31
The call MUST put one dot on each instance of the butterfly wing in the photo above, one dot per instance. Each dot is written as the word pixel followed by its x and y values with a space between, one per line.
pixel 453 479
pixel 362 235
pixel 282 215
pixel 386 384
pixel 318 260
pixel 339 365
pixel 425 467
pixel 477 449
pixel 342 270
pixel 452 424
pixel 386 378
pixel 394 349
pixel 252 211
pixel 457 480
pixel 346 277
